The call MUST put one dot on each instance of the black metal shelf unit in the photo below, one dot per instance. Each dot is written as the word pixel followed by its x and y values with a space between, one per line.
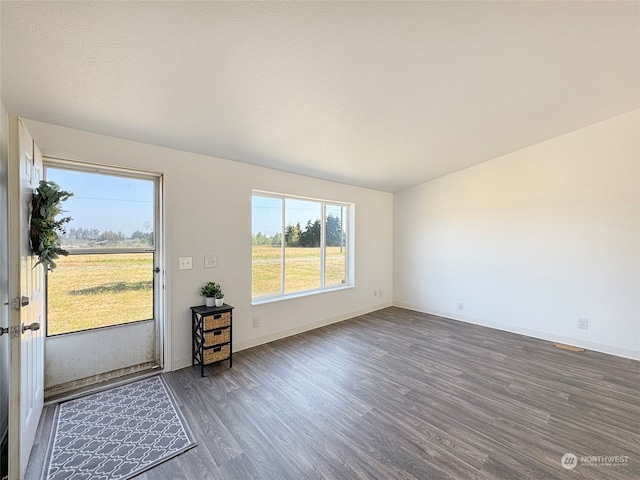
pixel 211 335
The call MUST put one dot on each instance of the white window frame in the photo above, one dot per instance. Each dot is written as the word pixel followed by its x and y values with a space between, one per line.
pixel 349 222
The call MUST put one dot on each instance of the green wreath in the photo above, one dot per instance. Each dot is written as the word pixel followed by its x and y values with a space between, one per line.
pixel 45 229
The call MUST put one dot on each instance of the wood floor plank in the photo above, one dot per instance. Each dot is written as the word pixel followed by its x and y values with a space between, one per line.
pixel 396 394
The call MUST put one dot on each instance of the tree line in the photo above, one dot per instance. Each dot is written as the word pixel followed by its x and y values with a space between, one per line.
pixel 295 236
pixel 92 237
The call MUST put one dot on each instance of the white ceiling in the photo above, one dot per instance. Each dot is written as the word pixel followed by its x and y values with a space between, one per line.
pixel 384 95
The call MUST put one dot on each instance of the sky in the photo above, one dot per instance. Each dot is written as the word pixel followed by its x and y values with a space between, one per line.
pixel 267 213
pixel 121 204
pixel 105 202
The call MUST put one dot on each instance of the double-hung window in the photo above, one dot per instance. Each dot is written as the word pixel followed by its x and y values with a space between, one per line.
pixel 299 246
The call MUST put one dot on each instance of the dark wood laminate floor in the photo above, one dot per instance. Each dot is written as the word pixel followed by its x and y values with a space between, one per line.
pixel 397 394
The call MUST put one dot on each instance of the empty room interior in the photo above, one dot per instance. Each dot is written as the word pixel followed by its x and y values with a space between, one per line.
pixel 420 222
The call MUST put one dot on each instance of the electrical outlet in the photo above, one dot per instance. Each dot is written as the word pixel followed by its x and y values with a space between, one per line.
pixel 380 293
pixel 583 323
pixel 256 322
pixel 185 263
pixel 375 292
pixel 460 306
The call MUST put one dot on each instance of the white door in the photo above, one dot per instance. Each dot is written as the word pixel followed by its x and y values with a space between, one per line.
pixel 26 388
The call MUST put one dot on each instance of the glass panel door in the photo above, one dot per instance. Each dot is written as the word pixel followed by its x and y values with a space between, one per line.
pixel 105 292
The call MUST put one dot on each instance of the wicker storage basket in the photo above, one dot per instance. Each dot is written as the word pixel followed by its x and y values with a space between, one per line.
pixel 216 337
pixel 219 320
pixel 216 353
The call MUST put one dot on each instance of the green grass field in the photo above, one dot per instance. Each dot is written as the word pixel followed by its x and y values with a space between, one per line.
pixel 90 291
pixel 302 269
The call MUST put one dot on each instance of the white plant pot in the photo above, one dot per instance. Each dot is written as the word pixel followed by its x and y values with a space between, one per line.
pixel 209 301
pixel 219 302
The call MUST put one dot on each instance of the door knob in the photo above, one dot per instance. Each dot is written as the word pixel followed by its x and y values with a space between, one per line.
pixel 4 330
pixel 34 326
pixel 25 300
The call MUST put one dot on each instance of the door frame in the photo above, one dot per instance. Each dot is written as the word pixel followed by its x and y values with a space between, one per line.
pixel 5 345
pixel 162 336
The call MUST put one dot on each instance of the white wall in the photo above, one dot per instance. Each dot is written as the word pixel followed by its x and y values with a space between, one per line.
pixel 208 212
pixel 532 241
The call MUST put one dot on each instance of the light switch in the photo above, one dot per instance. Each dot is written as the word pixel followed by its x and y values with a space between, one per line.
pixel 185 263
pixel 210 261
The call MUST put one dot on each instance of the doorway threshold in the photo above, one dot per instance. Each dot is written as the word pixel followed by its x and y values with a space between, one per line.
pixel 98 383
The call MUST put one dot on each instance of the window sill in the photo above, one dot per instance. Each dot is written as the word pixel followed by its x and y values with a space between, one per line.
pixel 279 298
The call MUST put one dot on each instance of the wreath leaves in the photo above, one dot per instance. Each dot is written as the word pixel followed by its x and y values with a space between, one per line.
pixel 45 230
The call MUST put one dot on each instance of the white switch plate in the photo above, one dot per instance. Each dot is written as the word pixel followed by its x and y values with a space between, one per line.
pixel 210 261
pixel 185 263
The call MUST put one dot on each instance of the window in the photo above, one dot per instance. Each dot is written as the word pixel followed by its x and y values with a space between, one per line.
pixel 108 277
pixel 299 245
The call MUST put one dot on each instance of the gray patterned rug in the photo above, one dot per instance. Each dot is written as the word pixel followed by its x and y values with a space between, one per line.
pixel 117 434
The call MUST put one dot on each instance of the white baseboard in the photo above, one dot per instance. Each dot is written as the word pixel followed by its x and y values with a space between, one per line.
pixel 254 342
pixel 596 347
pixel 180 363
pixel 305 328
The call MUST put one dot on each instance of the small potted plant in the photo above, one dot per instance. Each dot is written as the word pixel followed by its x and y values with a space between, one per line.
pixel 219 297
pixel 209 290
